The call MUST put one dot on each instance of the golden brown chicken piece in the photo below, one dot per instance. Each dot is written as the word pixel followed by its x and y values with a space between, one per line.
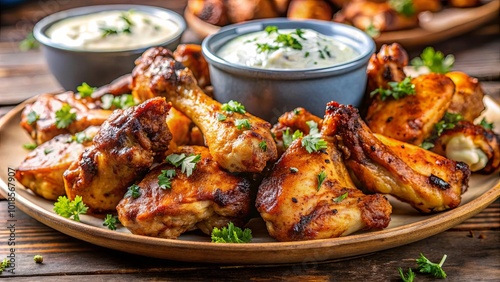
pixel 411 119
pixel 281 6
pixel 425 180
pixel 245 10
pixel 42 170
pixel 310 9
pixel 464 3
pixel 191 57
pixel 471 144
pixel 40 121
pixel 210 11
pixel 385 66
pixel 210 197
pixel 381 16
pixel 235 147
pixel 468 98
pixel 297 205
pixel 122 151
pixel 427 5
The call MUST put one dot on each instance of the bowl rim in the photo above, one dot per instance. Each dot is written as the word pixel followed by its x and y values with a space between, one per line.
pixel 229 32
pixel 40 28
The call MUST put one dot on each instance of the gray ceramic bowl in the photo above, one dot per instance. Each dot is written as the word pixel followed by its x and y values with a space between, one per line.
pixel 71 67
pixel 268 93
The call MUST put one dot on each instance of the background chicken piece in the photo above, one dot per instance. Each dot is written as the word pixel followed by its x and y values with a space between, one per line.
pixel 310 9
pixel 210 197
pixel 311 196
pixel 42 170
pixel 411 118
pixel 471 144
pixel 245 10
pixel 425 180
pixel 210 11
pixel 191 57
pixel 42 121
pixel 239 142
pixel 122 151
pixel 385 66
pixel 468 97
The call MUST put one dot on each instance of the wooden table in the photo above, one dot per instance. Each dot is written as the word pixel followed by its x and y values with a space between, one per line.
pixel 472 247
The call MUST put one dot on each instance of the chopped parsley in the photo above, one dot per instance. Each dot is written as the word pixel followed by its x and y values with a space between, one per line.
pixel 221 117
pixel 242 124
pixel 289 138
pixel 110 221
pixel 125 16
pixel 118 102
pixel 282 40
pixel 449 121
pixel 396 90
pixel 80 138
pixel 403 7
pixel 70 209
pixel 313 143
pixel 29 146
pixel 165 178
pixel 372 30
pixel 32 117
pixel 435 269
pixel 341 197
pixel 409 277
pixel 64 116
pixel 233 107
pixel 263 145
pixel 133 191
pixel 85 90
pixel 187 163
pixel 321 179
pixel 434 60
pixel 28 43
pixel 47 151
pixel 231 234
pixel 486 125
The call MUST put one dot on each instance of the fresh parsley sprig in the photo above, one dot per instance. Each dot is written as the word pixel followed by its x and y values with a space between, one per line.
pixel 408 277
pixel 110 221
pixel 85 90
pixel 435 269
pixel 242 124
pixel 231 234
pixel 313 143
pixel 165 178
pixel 403 7
pixel 70 209
pixel 187 163
pixel 434 60
pixel 32 117
pixel 449 121
pixel 396 90
pixel 65 116
pixel 233 107
pixel 289 138
pixel 486 125
pixel 124 101
pixel 321 179
pixel 341 197
pixel 133 191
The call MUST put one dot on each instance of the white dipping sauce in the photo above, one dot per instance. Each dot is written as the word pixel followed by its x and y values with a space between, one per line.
pixel 112 31
pixel 286 49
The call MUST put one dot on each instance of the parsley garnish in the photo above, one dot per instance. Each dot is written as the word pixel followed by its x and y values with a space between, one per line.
pixel 403 7
pixel 221 117
pixel 313 127
pixel 233 107
pixel 110 221
pixel 66 208
pixel 120 102
pixel 321 178
pixel 48 150
pixel 242 123
pixel 28 43
pixel 434 60
pixel 187 163
pixel 231 234
pixel 263 145
pixel 106 31
pixel 426 266
pixel 282 40
pixel 32 117
pixel 4 264
pixel 287 40
pixel 271 28
pixel 85 90
pixel 486 125
pixel 64 116
pixel 165 178
pixel 449 121
pixel 133 191
pixel 288 138
pixel 79 137
pixel 409 277
pixel 29 146
pixel 313 143
pixel 397 90
pixel 265 47
pixel 341 197
pixel 372 31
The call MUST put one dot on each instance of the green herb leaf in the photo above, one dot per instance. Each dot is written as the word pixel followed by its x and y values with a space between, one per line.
pixel 48 150
pixel 80 138
pixel 321 178
pixel 231 234
pixel 32 117
pixel 124 101
pixel 221 117
pixel 435 269
pixel 28 43
pixel 403 7
pixel 233 107
pixel 341 197
pixel 133 191
pixel 289 138
pixel 242 124
pixel 409 277
pixel 486 125
pixel 107 31
pixel 4 264
pixel 85 90
pixel 110 221
pixel 66 208
pixel 397 90
pixel 434 60
pixel 165 178
pixel 29 146
pixel 288 40
pixel 449 121
pixel 263 145
pixel 313 127
pixel 313 143
pixel 427 145
pixel 187 163
pixel 372 31
pixel 271 28
pixel 64 116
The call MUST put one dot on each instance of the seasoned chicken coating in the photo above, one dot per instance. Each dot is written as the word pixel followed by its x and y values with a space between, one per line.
pixel 42 170
pixel 210 11
pixel 385 66
pixel 191 57
pixel 471 144
pixel 40 118
pixel 297 205
pixel 425 180
pixel 238 143
pixel 210 197
pixel 411 118
pixel 310 9
pixel 123 150
pixel 464 3
pixel 245 10
pixel 468 98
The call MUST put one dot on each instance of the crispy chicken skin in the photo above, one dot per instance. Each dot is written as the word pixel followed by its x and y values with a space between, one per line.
pixel 468 97
pixel 464 3
pixel 210 11
pixel 385 66
pixel 123 150
pixel 471 144
pixel 191 57
pixel 208 198
pixel 46 106
pixel 236 150
pixel 42 170
pixel 411 119
pixel 425 180
pixel 310 9
pixel 295 208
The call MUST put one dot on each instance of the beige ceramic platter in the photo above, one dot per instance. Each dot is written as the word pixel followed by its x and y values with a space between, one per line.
pixel 406 225
pixel 433 27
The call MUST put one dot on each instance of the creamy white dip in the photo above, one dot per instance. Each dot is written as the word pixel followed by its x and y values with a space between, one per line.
pixel 286 49
pixel 112 30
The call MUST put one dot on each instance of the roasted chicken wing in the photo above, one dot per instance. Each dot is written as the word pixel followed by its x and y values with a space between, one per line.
pixel 42 170
pixel 311 196
pixel 468 97
pixel 191 57
pixel 425 180
pixel 238 142
pixel 385 66
pixel 210 197
pixel 123 150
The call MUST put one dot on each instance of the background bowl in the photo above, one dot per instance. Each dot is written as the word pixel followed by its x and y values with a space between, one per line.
pixel 268 93
pixel 71 67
